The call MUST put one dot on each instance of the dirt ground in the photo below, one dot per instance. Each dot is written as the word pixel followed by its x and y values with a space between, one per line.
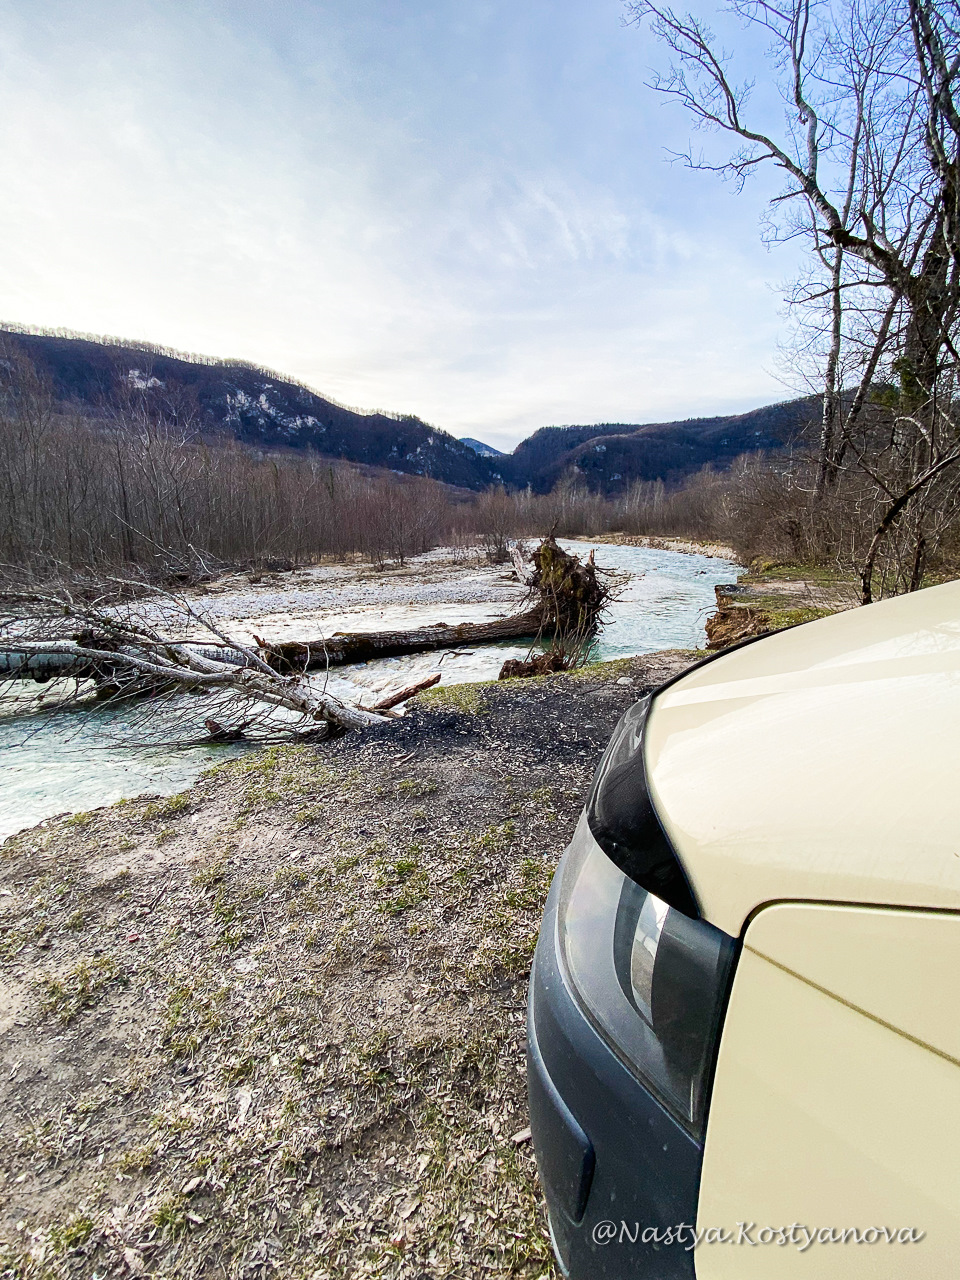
pixel 274 1025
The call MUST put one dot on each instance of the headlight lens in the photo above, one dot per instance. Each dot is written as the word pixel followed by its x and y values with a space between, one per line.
pixel 651 979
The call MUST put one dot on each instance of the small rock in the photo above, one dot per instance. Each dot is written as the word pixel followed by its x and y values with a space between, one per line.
pixel 523 1136
pixel 244 1098
pixel 625 680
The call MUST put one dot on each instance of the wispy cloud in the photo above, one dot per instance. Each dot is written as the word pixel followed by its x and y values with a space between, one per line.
pixel 461 212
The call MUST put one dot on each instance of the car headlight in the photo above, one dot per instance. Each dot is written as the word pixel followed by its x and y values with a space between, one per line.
pixel 650 976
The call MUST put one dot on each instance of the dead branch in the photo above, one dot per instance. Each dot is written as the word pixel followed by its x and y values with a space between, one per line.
pixel 124 655
pixel 394 700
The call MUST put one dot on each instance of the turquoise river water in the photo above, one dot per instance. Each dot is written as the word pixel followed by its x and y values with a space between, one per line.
pixel 67 762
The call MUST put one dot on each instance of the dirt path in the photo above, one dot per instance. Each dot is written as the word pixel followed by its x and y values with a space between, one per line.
pixel 275 1025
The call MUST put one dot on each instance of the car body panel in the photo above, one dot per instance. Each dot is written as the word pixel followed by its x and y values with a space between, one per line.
pixel 805 784
pixel 823 1116
pixel 812 765
pixel 900 967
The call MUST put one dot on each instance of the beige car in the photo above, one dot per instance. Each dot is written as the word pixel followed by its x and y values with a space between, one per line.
pixel 744 1033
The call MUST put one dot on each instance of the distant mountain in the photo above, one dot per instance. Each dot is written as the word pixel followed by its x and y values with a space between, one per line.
pixel 610 456
pixel 484 450
pixel 254 405
pixel 268 410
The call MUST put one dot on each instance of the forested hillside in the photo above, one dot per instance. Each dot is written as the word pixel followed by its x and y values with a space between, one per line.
pixel 262 408
pixel 609 457
pixel 254 405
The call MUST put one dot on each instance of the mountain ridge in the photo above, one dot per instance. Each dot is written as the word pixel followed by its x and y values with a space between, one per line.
pixel 267 410
pixel 484 450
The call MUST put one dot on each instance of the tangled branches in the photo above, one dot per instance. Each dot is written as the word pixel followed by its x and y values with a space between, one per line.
pixel 125 651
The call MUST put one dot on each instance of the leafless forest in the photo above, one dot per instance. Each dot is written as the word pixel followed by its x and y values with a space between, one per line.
pixel 135 495
pixel 869 151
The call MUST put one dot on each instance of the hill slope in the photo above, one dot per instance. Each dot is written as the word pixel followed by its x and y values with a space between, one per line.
pixel 484 450
pixel 265 409
pixel 610 456
pixel 255 405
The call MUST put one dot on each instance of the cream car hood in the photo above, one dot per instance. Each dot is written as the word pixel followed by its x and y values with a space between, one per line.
pixel 820 764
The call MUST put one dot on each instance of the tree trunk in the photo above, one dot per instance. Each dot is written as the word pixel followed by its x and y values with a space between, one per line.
pixel 826 470
pixel 362 646
pixel 150 666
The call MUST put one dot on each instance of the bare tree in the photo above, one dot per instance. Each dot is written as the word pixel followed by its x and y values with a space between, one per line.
pixel 871 158
pixel 123 649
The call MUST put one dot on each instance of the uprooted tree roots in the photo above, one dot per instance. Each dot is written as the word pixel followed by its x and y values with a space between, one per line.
pixel 573 599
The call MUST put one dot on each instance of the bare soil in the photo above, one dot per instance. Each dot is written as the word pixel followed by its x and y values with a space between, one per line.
pixel 275 1025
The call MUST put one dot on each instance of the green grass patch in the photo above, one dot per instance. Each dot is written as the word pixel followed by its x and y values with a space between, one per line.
pixel 80 987
pixel 471 699
pixel 405 879
pixel 79 819
pixel 71 1234
pixel 778 619
pixel 821 575
pixel 193 1012
pixel 170 1215
pixel 168 807
pixel 136 1159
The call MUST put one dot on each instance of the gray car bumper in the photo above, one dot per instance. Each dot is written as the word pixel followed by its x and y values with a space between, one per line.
pixel 613 1163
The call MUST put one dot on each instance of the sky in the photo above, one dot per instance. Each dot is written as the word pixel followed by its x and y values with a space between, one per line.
pixel 461 210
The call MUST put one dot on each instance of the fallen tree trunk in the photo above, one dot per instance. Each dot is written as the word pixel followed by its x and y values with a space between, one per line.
pixel 138 667
pixel 46 664
pixel 43 666
pixel 125 654
pixel 361 646
pixel 287 657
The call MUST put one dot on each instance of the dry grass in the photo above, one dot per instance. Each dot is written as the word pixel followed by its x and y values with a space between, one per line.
pixel 277 1044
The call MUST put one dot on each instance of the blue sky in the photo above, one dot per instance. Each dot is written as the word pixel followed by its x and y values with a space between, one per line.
pixel 459 210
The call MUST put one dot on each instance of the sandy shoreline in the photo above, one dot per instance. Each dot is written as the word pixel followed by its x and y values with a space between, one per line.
pixel 686 546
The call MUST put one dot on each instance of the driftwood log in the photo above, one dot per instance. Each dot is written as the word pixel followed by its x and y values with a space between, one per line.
pixel 143 665
pixel 124 654
pixel 287 656
pixel 44 663
pixel 408 691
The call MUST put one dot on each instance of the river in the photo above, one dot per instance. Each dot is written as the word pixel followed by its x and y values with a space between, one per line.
pixel 68 762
